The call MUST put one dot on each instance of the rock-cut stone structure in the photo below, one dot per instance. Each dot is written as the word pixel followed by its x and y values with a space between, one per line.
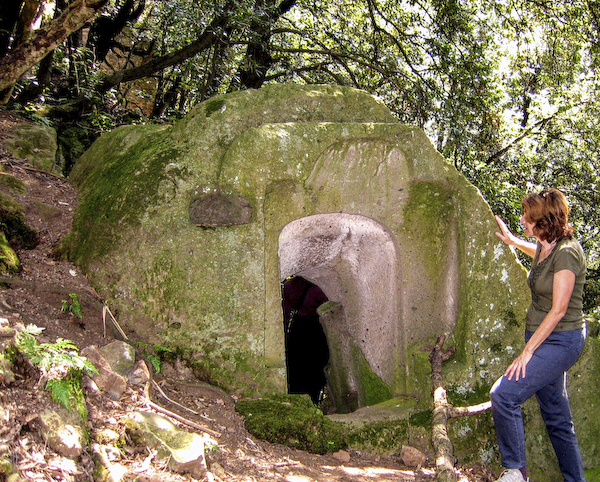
pixel 190 229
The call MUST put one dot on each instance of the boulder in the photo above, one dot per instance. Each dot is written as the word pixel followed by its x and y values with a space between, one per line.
pixel 35 143
pixel 190 229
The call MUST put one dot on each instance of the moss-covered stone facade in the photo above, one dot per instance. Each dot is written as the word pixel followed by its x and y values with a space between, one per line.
pixel 189 229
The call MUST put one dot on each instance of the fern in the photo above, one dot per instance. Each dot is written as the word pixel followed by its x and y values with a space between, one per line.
pixel 60 364
pixel 156 362
pixel 158 355
pixel 61 391
pixel 74 307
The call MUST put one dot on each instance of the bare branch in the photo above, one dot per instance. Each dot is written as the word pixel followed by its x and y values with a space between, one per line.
pixel 541 123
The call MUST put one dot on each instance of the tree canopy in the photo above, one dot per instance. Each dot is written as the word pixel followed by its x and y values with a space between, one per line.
pixel 506 89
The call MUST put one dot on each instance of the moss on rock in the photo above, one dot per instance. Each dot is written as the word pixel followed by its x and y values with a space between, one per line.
pixel 291 420
pixel 9 261
pixel 36 143
pixel 385 216
pixel 12 220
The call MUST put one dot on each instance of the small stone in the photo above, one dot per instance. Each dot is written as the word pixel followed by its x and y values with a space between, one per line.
pixel 106 379
pixel 412 457
pixel 140 373
pixel 342 456
pixel 106 436
pixel 120 356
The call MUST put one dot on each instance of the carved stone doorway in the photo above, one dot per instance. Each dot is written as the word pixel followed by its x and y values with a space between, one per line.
pixel 353 260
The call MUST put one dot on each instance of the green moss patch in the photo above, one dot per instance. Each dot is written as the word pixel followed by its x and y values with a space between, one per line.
pixel 474 439
pixel 9 261
pixel 429 216
pixel 385 437
pixel 12 224
pixel 592 475
pixel 375 390
pixel 291 420
pixel 12 184
pixel 118 191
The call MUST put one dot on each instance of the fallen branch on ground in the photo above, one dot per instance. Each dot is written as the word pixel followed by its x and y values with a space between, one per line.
pixel 442 411
pixel 185 421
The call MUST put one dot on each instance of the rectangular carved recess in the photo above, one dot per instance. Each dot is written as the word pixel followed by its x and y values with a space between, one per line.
pixel 217 209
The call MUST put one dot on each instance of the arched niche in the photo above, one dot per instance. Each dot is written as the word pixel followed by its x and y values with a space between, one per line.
pixel 353 259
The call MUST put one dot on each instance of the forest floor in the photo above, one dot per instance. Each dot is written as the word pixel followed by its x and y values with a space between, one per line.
pixel 35 296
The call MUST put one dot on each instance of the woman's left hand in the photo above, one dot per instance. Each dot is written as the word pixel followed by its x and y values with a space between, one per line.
pixel 518 368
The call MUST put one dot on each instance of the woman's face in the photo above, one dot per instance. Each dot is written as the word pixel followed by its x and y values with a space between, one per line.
pixel 528 227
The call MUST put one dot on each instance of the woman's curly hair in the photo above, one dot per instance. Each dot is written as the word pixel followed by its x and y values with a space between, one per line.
pixel 549 212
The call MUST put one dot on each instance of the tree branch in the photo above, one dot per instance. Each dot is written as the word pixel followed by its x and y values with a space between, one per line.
pixel 442 411
pixel 208 38
pixel 27 55
pixel 492 159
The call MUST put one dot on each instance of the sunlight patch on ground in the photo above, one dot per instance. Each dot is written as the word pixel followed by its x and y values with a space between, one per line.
pixel 374 474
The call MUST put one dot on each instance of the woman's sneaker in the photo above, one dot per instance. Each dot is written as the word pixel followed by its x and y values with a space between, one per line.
pixel 512 475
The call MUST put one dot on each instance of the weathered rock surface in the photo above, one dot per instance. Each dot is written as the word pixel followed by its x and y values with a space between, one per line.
pixel 184 449
pixel 341 194
pixel 62 431
pixel 106 379
pixel 37 144
pixel 120 356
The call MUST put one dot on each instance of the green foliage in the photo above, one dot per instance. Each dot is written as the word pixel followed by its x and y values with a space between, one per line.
pixel 157 354
pixel 507 91
pixel 73 306
pixel 58 363
pixel 292 420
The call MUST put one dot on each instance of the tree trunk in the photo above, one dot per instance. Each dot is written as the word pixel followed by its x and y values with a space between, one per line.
pixel 9 16
pixel 43 77
pixel 258 59
pixel 44 71
pixel 27 17
pixel 105 29
pixel 25 56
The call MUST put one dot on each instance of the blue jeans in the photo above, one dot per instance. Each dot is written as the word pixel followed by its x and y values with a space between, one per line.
pixel 546 378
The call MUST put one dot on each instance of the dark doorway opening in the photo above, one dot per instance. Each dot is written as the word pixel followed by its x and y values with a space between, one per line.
pixel 306 348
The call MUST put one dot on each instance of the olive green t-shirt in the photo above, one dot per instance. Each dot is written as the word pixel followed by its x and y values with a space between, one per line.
pixel 567 254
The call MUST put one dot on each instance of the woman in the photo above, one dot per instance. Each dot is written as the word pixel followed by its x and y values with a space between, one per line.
pixel 554 335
